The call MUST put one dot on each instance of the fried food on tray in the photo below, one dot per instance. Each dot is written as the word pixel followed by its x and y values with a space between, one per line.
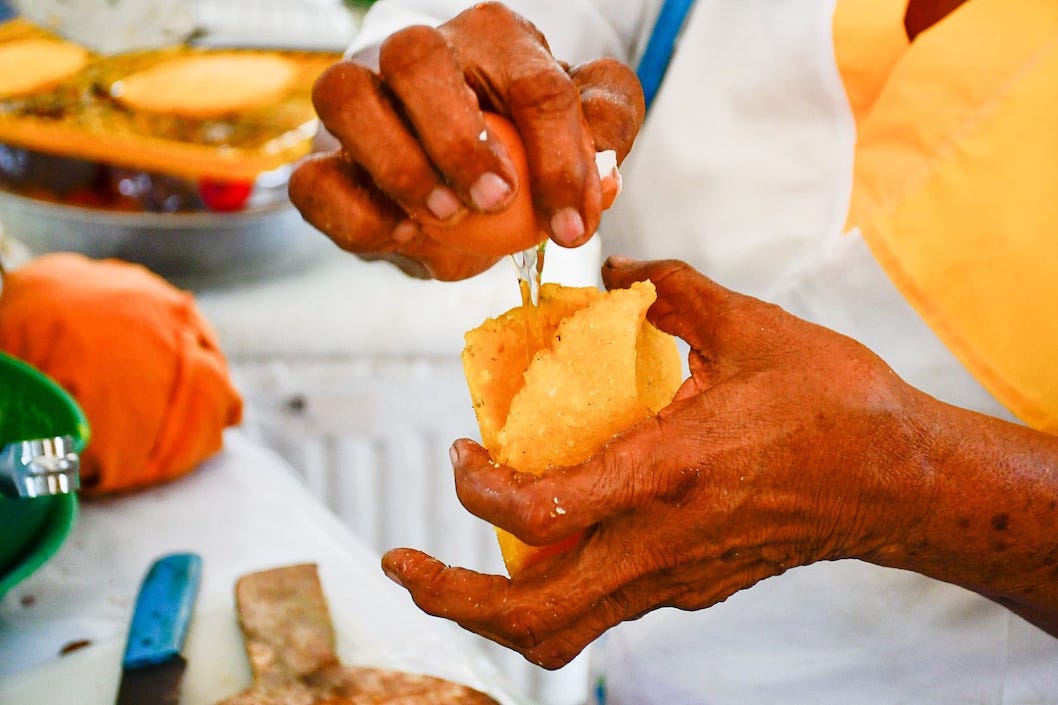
pixel 290 644
pixel 229 114
pixel 207 85
pixel 552 383
pixel 33 64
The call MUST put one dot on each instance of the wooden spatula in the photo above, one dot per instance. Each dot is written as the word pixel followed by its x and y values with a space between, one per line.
pixel 290 643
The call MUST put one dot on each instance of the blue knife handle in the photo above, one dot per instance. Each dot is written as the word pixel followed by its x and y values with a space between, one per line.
pixel 163 610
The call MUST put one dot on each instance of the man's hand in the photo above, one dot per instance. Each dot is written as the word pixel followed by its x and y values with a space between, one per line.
pixel 414 142
pixel 788 444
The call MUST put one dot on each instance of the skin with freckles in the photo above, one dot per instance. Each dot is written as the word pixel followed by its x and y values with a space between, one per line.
pixel 788 444
pixel 411 147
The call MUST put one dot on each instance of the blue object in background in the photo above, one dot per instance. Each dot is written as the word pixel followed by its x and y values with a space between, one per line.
pixel 660 46
pixel 6 11
pixel 163 610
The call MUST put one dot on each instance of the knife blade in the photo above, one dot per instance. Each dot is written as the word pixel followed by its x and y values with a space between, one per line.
pixel 153 665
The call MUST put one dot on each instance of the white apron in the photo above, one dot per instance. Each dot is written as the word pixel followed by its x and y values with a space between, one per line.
pixel 743 169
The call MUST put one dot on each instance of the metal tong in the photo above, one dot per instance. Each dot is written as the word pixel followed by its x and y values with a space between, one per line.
pixel 39 467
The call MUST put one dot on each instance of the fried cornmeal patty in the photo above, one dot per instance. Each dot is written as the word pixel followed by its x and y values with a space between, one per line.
pixel 30 65
pixel 207 85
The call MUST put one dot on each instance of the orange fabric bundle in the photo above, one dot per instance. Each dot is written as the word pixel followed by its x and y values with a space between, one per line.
pixel 955 180
pixel 136 355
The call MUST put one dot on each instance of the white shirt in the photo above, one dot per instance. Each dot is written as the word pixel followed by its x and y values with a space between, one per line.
pixel 743 169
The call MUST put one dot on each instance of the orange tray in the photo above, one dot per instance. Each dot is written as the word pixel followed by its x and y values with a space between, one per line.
pixel 79 117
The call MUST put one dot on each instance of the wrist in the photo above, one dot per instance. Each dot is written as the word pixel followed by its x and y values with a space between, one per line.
pixel 880 448
pixel 878 493
pixel 988 522
pixel 906 482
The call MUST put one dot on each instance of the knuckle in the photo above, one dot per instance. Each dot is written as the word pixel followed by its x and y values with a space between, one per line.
pixel 330 80
pixel 329 200
pixel 676 487
pixel 548 658
pixel 491 22
pixel 494 9
pixel 539 522
pixel 337 86
pixel 313 188
pixel 493 14
pixel 542 516
pixel 623 459
pixel 301 187
pixel 408 48
pixel 406 183
pixel 545 92
pixel 555 652
pixel 454 146
pixel 563 178
pixel 606 75
pixel 519 626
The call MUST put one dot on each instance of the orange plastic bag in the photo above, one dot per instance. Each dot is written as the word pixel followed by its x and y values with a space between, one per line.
pixel 137 356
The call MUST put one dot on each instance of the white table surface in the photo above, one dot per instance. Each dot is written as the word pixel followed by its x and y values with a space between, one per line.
pixel 242 511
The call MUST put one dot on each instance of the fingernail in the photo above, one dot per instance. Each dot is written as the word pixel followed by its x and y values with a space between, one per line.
pixel 392 575
pixel 442 203
pixel 567 226
pixel 619 261
pixel 454 454
pixel 489 191
pixel 404 232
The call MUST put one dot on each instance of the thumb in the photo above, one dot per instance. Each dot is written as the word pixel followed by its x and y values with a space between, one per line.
pixel 689 305
pixel 612 103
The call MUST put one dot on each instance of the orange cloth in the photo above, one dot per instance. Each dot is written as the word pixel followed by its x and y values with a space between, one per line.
pixel 136 355
pixel 956 182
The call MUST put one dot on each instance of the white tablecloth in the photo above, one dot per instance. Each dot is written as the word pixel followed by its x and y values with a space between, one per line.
pixel 242 511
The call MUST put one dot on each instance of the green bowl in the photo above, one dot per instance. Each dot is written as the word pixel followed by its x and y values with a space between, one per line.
pixel 34 406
